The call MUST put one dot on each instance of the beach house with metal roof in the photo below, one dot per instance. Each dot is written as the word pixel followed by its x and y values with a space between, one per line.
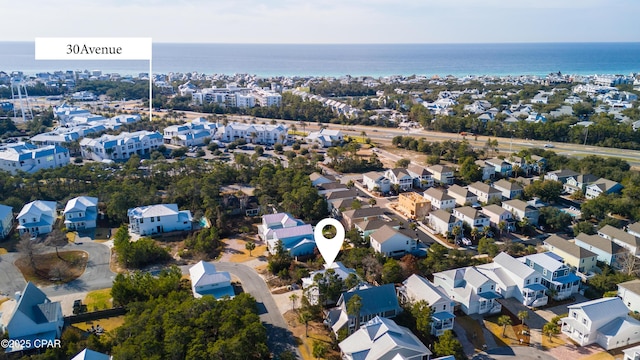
pixel 158 219
pixel 416 288
pixel 473 291
pixel 37 217
pixel 6 220
pixel 556 276
pixel 81 213
pixel 205 280
pixel 581 259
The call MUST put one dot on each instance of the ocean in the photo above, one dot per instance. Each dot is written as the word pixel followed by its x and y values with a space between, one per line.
pixel 355 60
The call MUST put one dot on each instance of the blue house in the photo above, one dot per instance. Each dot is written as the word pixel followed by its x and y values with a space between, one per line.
pixel 6 106
pixel 296 236
pixel 375 300
pixel 6 220
pixel 556 276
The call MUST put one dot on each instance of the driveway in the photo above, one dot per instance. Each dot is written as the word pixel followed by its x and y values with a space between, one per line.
pixel 96 276
pixel 279 338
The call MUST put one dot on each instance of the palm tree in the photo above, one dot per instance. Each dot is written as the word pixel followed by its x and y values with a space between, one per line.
pixel 523 315
pixel 293 298
pixel 550 329
pixel 456 231
pixel 305 317
pixel 503 321
pixel 353 309
pixel 372 201
pixel 474 233
pixel 502 225
pixel 250 245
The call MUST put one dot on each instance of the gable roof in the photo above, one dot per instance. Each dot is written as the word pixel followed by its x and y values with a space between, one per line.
pixel 285 219
pixel 518 204
pixel 439 169
pixel 600 243
pixel 459 190
pixel 635 227
pixel 513 265
pixel 570 248
pixel 545 260
pixel 605 184
pixel 632 286
pixel 38 207
pixel 507 185
pixel 469 212
pixel 399 173
pixel 81 203
pixel 437 194
pixel 204 273
pixel 425 289
pixel 383 339
pixel 374 224
pixel 5 211
pixel 621 235
pixel 374 298
pixel 363 212
pixel 494 209
pixel 385 233
pixel 563 173
pixel 35 305
pixel 153 210
pixel 87 354
pixel 341 194
pixel 485 188
pixel 600 309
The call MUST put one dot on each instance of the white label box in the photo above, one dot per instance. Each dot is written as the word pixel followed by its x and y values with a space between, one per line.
pixel 93 48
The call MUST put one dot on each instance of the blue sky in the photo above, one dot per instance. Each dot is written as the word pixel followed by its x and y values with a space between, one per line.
pixel 327 21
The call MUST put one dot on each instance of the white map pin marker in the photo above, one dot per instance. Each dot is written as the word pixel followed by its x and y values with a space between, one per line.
pixel 329 248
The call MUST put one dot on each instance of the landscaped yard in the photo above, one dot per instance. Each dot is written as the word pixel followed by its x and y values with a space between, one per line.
pixel 510 335
pixel 243 254
pixel 107 324
pixel 473 331
pixel 556 341
pixel 317 332
pixel 51 269
pixel 99 300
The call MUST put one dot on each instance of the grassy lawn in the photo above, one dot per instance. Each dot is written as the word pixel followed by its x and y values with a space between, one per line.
pixel 71 236
pixel 50 269
pixel 108 324
pixel 492 325
pixel 298 133
pixel 555 341
pixel 244 255
pixel 472 327
pixel 99 299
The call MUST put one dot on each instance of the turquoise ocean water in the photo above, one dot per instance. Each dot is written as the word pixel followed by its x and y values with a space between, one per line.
pixel 355 60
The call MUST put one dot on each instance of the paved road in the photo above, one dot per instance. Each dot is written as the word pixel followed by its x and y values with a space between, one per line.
pixel 279 338
pixel 98 275
pixel 516 352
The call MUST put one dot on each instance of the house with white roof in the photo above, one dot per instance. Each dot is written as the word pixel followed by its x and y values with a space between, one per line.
pixel 391 242
pixel 34 317
pixel 440 200
pixel 29 158
pixel 556 276
pixel 205 280
pixel 443 222
pixel 626 240
pixel 373 180
pixel 81 213
pixel 416 288
pixel 254 133
pixel 632 353
pixel 120 147
pixel 375 301
pixel 473 291
pixel 88 354
pixel 485 192
pixel 509 190
pixel 442 174
pixel 37 217
pixel 6 220
pixel 383 339
pixel 400 177
pixel 602 321
pixel 521 210
pixel 158 219
pixel 581 259
pixel 296 236
pixel 462 195
pixel 629 292
pixel 190 134
pixel 310 284
pixel 472 217
pixel 325 137
pixel 515 280
pixel 606 250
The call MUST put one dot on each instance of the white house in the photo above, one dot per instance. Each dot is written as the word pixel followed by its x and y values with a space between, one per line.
pixel 417 288
pixel 602 321
pixel 498 214
pixel 422 178
pixel 383 339
pixel 34 317
pixel 158 219
pixel 37 217
pixel 319 179
pixel 439 199
pixel 443 222
pixel 310 286
pixel 632 353
pixel 121 146
pixel 626 240
pixel 391 242
pixel 485 192
pixel 442 174
pixel 606 250
pixel 400 177
pixel 6 220
pixel 555 275
pixel 88 354
pixel 29 158
pixel 488 170
pixel 190 134
pixel 629 292
pixel 522 210
pixel 500 166
pixel 205 280
pixel 81 213
pixel 602 186
pixel 472 217
pixel 471 289
pixel 325 137
pixel 254 133
pixel 515 280
pixel 376 180
pixel 462 195
pixel 509 190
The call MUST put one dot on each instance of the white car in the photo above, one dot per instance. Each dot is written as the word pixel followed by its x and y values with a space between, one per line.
pixel 549 145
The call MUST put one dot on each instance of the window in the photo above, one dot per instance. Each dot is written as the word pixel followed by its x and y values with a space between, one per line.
pixel 141 220
pixel 479 290
pixel 544 272
pixel 152 219
pixel 584 321
pixel 528 281
pixel 574 314
pixel 535 280
pixel 158 218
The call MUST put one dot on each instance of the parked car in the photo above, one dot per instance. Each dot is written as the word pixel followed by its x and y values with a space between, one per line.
pixel 466 241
